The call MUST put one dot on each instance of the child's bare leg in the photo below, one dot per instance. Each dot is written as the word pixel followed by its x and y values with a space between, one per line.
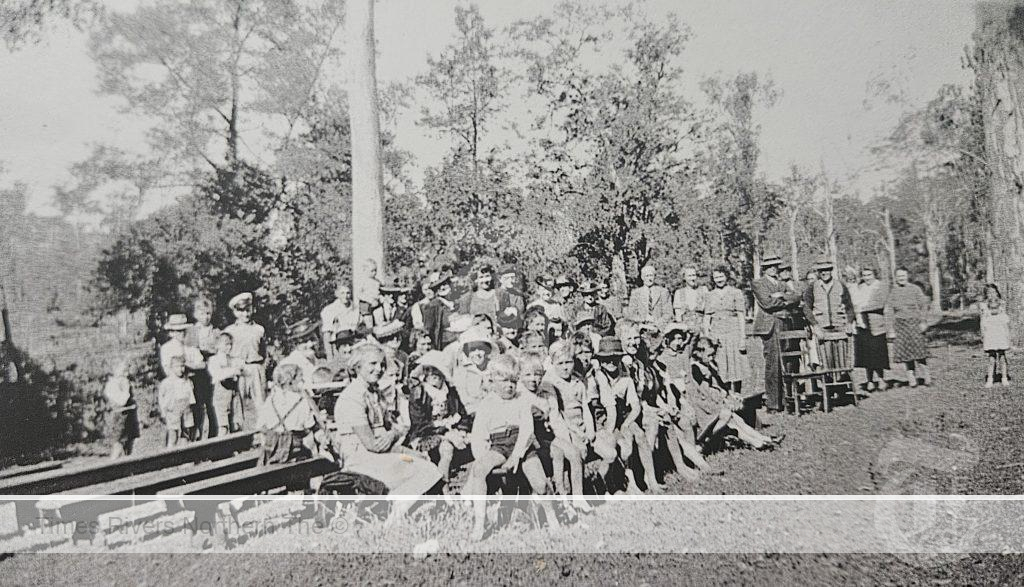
pixel 534 472
pixel 746 433
pixel 991 370
pixel 558 457
pixel 911 376
pixel 1006 368
pixel 675 449
pixel 116 451
pixel 646 454
pixel 476 486
pixel 693 453
pixel 446 452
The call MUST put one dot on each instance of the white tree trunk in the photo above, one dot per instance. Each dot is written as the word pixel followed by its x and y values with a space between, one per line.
pixel 934 276
pixel 890 242
pixel 364 113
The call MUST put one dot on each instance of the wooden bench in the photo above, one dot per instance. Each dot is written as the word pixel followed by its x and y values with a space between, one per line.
pixel 258 480
pixel 67 479
pixel 827 377
pixel 30 469
pixel 76 504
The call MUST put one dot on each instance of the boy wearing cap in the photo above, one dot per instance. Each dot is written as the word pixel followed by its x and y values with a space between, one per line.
pixel 249 348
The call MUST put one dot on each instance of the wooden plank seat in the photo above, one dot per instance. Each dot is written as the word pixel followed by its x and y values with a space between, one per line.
pixel 30 469
pixel 76 504
pixel 258 480
pixel 67 479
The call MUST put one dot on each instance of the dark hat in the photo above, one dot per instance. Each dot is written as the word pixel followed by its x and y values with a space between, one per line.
pixel 785 265
pixel 396 288
pixel 506 269
pixel 770 261
pixel 485 268
pixel 242 301
pixel 513 321
pixel 546 281
pixel 564 280
pixel 346 336
pixel 385 331
pixel 302 330
pixel 609 346
pixel 589 287
pixel 674 327
pixel 441 279
pixel 582 319
pixel 823 264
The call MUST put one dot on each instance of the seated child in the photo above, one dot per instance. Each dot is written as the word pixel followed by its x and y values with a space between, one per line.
pixel 469 377
pixel 674 365
pixel 618 397
pixel 502 437
pixel 716 408
pixel 225 372
pixel 565 398
pixel 419 340
pixel 175 398
pixel 436 414
pixel 286 419
pixel 123 417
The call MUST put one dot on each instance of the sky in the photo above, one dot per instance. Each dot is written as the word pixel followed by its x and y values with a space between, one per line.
pixel 821 55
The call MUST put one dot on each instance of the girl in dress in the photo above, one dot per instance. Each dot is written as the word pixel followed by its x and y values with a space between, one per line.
pixel 725 322
pixel 995 335
pixel 716 408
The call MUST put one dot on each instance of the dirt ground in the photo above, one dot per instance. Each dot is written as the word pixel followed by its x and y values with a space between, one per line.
pixel 853 450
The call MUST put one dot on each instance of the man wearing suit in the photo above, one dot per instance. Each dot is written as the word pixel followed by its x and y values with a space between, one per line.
pixel 650 303
pixel 775 300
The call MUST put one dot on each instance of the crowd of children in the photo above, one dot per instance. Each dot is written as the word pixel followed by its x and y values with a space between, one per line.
pixel 574 390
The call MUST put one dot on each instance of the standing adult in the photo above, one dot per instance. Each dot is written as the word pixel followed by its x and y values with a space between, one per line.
pixel 650 303
pixel 340 315
pixel 909 310
pixel 828 309
pixel 871 351
pixel 438 311
pixel 565 290
pixel 511 299
pixel 775 301
pixel 483 299
pixel 546 300
pixel 725 311
pixel 611 303
pixel 689 300
pixel 603 323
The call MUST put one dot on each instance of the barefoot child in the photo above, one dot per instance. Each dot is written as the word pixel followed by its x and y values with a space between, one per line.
pixel 502 436
pixel 175 398
pixel 716 408
pixel 124 420
pixel 674 362
pixel 556 394
pixel 225 372
pixel 995 337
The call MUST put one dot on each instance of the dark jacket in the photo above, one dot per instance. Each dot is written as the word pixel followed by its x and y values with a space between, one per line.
pixel 773 310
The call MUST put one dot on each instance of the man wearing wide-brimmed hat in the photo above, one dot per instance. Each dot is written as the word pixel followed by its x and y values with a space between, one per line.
pixel 774 302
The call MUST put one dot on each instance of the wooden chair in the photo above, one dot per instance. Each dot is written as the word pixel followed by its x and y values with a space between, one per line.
pixel 834 352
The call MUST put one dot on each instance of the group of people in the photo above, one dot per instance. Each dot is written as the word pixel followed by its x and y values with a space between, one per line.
pixel 566 384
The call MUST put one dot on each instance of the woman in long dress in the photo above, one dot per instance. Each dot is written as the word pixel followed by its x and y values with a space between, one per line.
pixel 870 347
pixel 724 321
pixel 909 308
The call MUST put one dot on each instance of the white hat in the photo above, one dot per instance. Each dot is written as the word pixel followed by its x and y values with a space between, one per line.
pixel 242 301
pixel 176 322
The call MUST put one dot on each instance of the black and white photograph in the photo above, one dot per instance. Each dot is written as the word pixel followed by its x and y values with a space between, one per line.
pixel 601 292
